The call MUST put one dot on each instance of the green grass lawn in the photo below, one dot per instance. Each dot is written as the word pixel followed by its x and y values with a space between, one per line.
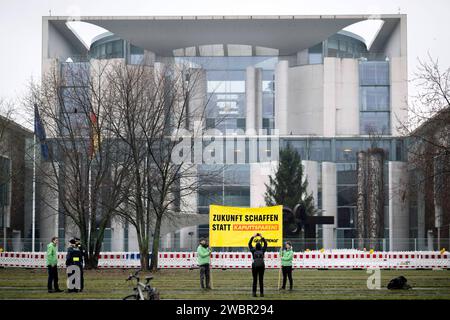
pixel 230 284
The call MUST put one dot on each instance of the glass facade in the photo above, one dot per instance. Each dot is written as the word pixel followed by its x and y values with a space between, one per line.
pixel 111 47
pixel 225 68
pixel 227 185
pixel 346 200
pixel 74 97
pixel 342 45
pixel 374 97
pixel 343 151
pixel 226 77
pixel 108 50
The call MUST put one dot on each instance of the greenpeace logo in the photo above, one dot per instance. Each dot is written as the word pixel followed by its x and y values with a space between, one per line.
pixel 269 240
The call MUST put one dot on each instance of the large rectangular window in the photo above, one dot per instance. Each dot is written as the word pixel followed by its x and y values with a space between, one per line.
pixel 374 123
pixel 311 149
pixel 223 185
pixel 374 97
pixel 75 73
pixel 374 73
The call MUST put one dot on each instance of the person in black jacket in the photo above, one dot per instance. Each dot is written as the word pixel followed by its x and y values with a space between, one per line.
pixel 74 257
pixel 258 265
pixel 82 261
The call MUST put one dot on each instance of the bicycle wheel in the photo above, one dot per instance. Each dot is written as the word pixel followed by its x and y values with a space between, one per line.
pixel 131 297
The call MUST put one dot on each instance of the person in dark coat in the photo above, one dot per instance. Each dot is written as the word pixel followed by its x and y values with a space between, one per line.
pixel 83 260
pixel 258 265
pixel 74 257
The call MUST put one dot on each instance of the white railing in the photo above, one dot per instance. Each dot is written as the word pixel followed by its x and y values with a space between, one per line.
pixel 323 259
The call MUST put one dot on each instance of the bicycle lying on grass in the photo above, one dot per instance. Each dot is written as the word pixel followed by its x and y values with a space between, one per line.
pixel 142 291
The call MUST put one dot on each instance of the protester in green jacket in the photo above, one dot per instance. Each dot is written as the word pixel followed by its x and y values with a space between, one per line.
pixel 52 266
pixel 287 256
pixel 203 254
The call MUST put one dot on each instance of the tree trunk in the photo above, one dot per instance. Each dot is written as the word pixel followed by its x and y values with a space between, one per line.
pixel 155 247
pixel 361 200
pixel 375 199
pixel 145 257
pixel 92 262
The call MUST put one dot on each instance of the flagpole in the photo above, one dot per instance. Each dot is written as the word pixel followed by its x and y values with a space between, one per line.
pixel 33 213
pixel 89 206
pixel 281 267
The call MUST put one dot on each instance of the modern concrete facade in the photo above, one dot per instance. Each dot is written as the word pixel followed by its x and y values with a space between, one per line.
pixel 16 179
pixel 325 92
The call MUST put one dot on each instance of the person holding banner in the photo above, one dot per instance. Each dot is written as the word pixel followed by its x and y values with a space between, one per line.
pixel 287 256
pixel 258 265
pixel 203 256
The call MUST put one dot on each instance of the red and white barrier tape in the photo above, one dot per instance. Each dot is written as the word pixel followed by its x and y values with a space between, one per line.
pixel 335 259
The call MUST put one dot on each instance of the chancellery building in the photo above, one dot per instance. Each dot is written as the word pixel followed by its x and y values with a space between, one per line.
pixel 322 89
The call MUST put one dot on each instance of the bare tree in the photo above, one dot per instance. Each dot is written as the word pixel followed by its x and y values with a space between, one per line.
pixel 428 129
pixel 370 197
pixel 82 167
pixel 152 107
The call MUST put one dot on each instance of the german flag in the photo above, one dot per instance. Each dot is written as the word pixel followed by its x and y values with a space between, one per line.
pixel 95 135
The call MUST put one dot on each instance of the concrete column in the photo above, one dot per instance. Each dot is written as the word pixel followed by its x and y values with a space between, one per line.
pixel 398 206
pixel 197 99
pixel 149 58
pixel 168 241
pixel 330 73
pixel 188 242
pixel 117 235
pixel 259 176
pixel 258 99
pixel 250 100
pixel 398 67
pixel 421 219
pixel 48 202
pixel 347 97
pixel 310 173
pixel 133 244
pixel 329 203
pixel 70 230
pixel 281 96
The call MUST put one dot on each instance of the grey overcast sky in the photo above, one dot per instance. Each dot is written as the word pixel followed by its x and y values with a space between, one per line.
pixel 21 26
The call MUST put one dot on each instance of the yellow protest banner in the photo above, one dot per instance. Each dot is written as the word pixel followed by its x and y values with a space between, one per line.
pixel 234 226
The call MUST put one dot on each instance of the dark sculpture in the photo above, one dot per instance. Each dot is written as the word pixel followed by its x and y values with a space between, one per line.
pixel 296 220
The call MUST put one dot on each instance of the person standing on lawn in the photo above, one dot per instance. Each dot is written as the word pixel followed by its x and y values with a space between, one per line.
pixel 258 265
pixel 74 258
pixel 52 266
pixel 203 256
pixel 287 256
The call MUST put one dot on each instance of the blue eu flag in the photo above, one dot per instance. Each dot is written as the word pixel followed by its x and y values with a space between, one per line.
pixel 39 131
